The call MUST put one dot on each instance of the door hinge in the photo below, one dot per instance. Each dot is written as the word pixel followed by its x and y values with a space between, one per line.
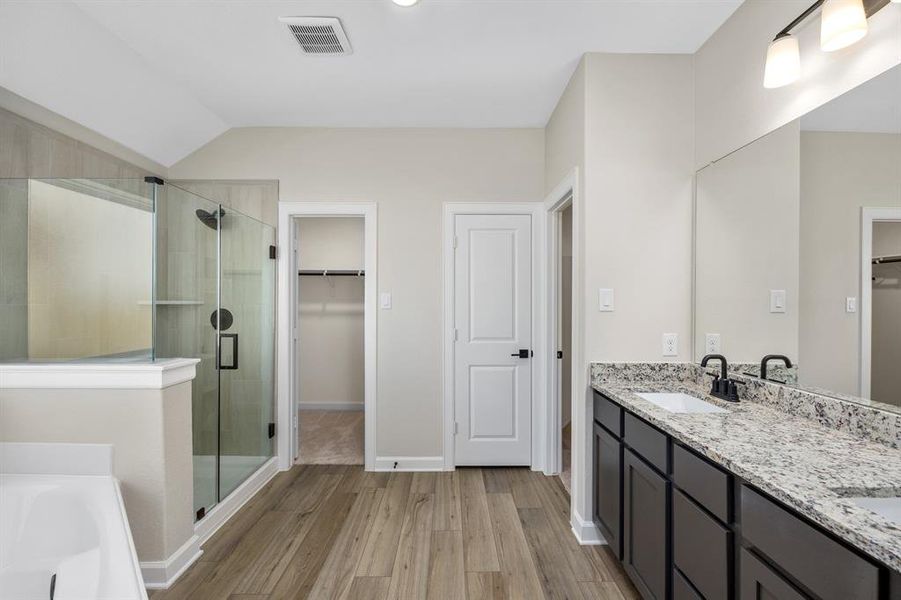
pixel 272 252
pixel 456 428
pixel 559 353
pixel 271 430
pixel 456 334
pixel 201 512
pixel 455 241
pixel 295 421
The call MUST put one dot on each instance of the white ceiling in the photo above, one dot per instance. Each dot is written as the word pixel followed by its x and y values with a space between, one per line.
pixel 193 68
pixel 873 107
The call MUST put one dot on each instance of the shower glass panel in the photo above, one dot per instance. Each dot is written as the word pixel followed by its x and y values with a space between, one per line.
pixel 246 347
pixel 187 294
pixel 215 296
pixel 76 270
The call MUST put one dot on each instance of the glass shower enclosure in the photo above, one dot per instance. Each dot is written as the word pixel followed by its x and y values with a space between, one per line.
pixel 140 269
pixel 214 296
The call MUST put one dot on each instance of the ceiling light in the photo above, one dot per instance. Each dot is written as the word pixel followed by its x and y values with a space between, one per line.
pixel 412 2
pixel 843 23
pixel 783 62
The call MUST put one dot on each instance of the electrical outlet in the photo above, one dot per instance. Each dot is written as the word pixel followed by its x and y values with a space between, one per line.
pixel 712 343
pixel 670 344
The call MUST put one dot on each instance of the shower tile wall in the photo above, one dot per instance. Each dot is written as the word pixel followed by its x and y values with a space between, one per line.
pixel 13 269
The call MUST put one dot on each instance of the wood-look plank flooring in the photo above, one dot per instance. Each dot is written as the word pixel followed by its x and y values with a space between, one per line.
pixel 335 531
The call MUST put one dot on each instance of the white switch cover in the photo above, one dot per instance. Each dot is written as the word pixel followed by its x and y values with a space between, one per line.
pixel 777 301
pixel 605 300
pixel 851 304
pixel 670 344
pixel 712 343
pixel 385 300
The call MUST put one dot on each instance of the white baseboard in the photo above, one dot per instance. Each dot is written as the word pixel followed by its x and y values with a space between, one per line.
pixel 222 512
pixel 330 406
pixel 410 463
pixel 586 531
pixel 159 575
pixel 162 574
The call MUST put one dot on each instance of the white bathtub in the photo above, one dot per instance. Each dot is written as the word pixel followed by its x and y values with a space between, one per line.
pixel 73 526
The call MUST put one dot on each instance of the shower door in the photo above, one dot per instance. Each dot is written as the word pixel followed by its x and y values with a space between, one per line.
pixel 246 354
pixel 215 300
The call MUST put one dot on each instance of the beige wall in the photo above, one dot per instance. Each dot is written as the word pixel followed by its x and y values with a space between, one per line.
pixel 638 204
pixel 840 173
pixel 732 106
pixel 747 212
pixel 885 383
pixel 410 173
pixel 150 431
pixel 330 313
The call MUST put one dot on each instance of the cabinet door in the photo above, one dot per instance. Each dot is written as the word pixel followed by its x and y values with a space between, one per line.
pixel 645 549
pixel 608 465
pixel 759 582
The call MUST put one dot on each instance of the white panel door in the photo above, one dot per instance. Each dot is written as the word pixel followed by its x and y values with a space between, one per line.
pixel 493 321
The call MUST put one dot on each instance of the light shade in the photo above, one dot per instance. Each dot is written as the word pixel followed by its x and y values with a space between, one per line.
pixel 843 23
pixel 405 2
pixel 783 62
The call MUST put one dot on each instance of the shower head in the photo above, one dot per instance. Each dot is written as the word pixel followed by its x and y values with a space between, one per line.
pixel 209 218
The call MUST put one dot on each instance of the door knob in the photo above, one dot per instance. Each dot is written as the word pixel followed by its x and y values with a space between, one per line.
pixel 523 353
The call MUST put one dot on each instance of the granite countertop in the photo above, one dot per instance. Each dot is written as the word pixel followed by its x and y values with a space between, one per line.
pixel 808 467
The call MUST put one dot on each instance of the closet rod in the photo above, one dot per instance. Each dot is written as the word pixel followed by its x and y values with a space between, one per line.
pixel 331 273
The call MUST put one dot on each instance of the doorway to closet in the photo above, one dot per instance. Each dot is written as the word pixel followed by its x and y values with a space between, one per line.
pixel 329 353
pixel 564 340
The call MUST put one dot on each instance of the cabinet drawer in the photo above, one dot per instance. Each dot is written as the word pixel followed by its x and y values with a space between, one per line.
pixel 682 590
pixel 826 567
pixel 609 414
pixel 707 484
pixel 701 548
pixel 759 582
pixel 650 443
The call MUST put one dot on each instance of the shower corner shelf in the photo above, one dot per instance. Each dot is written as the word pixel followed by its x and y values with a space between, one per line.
pixel 172 302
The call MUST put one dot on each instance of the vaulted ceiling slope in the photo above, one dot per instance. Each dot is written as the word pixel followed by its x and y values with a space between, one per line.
pixel 163 77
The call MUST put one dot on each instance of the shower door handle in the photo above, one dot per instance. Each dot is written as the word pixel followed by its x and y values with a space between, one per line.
pixel 228 351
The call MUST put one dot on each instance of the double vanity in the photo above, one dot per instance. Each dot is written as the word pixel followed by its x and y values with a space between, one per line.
pixel 770 497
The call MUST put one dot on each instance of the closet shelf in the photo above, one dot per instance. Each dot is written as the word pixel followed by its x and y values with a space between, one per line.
pixel 331 273
pixel 891 258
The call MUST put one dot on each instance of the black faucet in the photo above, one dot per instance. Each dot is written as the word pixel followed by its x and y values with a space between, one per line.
pixel 723 387
pixel 768 358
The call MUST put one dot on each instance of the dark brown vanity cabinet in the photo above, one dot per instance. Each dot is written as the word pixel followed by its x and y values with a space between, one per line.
pixel 645 526
pixel 685 528
pixel 608 468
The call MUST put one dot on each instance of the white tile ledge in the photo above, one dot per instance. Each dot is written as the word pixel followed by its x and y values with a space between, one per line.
pixel 122 376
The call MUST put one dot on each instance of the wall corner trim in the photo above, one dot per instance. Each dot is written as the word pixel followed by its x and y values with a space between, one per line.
pixel 586 532
pixel 155 375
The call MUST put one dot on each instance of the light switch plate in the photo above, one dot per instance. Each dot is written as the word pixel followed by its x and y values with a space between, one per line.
pixel 712 343
pixel 605 300
pixel 777 301
pixel 851 304
pixel 385 300
pixel 670 344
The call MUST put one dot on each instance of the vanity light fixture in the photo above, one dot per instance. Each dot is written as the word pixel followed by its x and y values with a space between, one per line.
pixel 405 2
pixel 783 62
pixel 842 23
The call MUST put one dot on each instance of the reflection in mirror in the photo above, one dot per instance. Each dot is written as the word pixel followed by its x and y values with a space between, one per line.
pixel 798 249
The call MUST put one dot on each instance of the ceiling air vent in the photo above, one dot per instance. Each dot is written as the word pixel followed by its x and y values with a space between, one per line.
pixel 318 35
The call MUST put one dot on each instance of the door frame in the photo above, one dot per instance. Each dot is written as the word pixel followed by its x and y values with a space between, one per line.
pixel 534 210
pixel 287 321
pixel 561 198
pixel 869 216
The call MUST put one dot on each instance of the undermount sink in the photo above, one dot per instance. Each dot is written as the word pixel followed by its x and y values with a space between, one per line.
pixel 681 403
pixel 889 508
